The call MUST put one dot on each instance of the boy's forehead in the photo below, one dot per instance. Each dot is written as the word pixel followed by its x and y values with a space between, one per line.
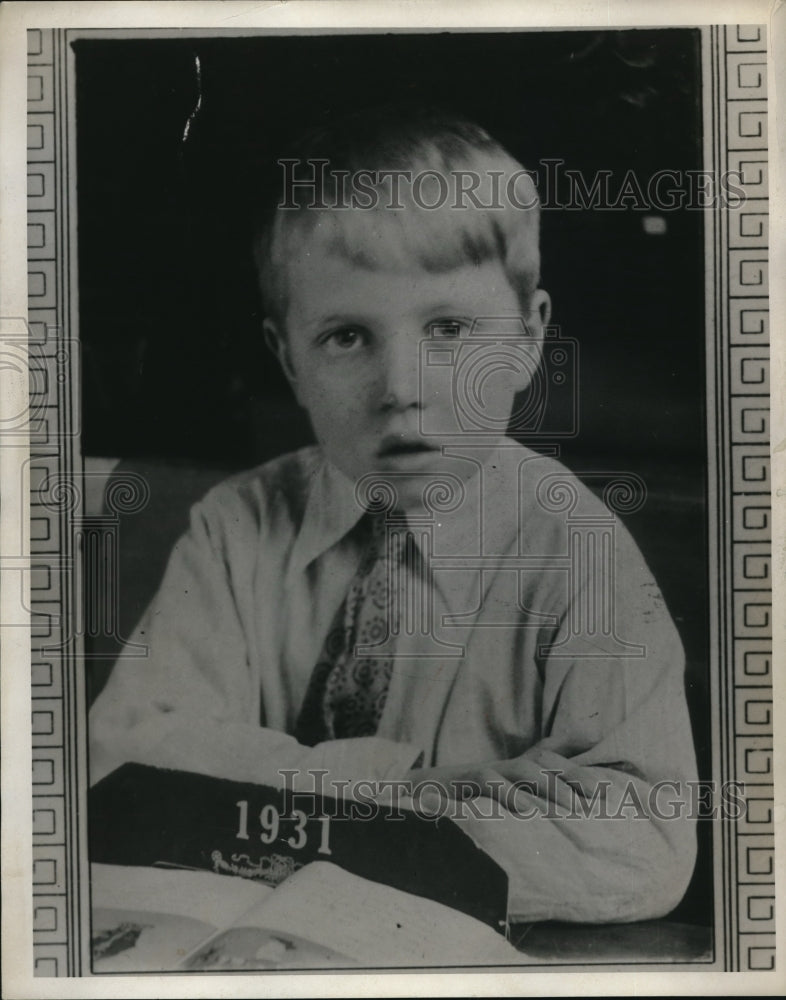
pixel 349 251
pixel 324 284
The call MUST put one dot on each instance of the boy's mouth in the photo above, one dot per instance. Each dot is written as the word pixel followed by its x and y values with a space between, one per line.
pixel 395 445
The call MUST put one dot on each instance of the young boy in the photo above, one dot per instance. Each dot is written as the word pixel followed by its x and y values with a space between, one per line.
pixel 419 596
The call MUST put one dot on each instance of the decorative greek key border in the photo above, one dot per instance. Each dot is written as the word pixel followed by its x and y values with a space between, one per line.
pixel 735 105
pixel 59 856
pixel 735 80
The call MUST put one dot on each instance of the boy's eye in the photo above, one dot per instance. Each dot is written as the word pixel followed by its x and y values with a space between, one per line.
pixel 345 338
pixel 450 328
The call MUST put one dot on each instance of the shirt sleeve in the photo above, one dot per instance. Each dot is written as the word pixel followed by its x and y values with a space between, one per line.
pixel 597 824
pixel 192 699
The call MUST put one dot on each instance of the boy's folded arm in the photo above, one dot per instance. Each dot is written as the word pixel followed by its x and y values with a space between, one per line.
pixel 175 717
pixel 564 859
pixel 172 710
pixel 193 700
pixel 594 822
pixel 240 751
pixel 586 870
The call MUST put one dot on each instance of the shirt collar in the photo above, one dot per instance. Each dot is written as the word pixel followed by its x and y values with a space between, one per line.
pixel 331 511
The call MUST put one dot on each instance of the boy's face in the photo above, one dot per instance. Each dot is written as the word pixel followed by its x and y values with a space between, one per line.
pixel 352 352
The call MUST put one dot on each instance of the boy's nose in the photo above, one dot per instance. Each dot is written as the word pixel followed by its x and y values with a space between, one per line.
pixel 400 376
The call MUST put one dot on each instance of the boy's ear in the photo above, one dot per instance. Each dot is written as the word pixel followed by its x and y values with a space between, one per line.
pixel 539 311
pixel 538 318
pixel 277 342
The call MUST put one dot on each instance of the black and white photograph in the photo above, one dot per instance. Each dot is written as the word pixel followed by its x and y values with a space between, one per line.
pixel 394 556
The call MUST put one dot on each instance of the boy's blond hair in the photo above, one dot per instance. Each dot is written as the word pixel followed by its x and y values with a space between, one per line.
pixel 471 201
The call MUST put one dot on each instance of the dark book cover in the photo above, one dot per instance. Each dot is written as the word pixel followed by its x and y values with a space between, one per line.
pixel 141 815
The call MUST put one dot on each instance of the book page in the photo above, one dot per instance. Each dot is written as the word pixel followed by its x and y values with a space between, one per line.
pixel 376 925
pixel 150 919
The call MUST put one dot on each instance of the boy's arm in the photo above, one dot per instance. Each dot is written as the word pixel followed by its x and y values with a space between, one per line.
pixel 192 701
pixel 595 822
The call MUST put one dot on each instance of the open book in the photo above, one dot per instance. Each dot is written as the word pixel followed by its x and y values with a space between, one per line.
pixel 160 920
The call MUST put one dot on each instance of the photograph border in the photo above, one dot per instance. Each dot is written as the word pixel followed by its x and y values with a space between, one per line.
pixel 734 70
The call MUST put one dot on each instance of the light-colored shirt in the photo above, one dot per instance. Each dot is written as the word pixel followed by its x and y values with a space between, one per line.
pixel 547 657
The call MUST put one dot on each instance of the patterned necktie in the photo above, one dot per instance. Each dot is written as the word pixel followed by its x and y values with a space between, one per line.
pixel 347 693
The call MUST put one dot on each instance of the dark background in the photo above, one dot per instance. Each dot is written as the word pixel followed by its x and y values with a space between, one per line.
pixel 177 382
